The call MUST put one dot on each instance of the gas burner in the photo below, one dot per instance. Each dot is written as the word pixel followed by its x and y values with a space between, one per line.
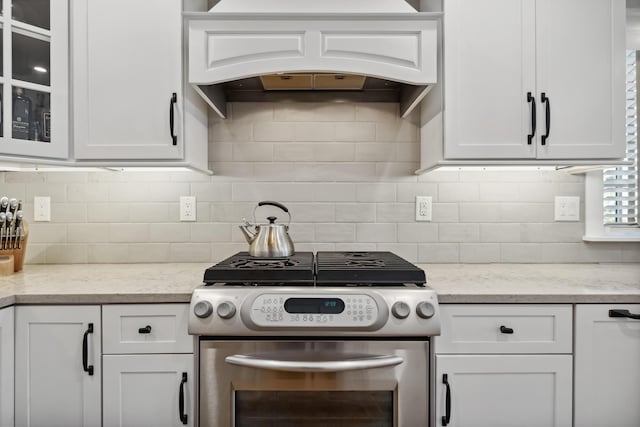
pixel 264 263
pixel 375 263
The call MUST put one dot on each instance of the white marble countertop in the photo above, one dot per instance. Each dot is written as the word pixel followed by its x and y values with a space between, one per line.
pixel 455 283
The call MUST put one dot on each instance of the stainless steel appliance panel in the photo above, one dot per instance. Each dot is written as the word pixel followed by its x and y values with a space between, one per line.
pixel 361 376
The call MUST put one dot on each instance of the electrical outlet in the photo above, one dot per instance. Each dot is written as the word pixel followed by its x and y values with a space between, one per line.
pixel 423 208
pixel 567 208
pixel 42 208
pixel 187 208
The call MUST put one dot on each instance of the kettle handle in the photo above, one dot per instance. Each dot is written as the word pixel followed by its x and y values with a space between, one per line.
pixel 271 203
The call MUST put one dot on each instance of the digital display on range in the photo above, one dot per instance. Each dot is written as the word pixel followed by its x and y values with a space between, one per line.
pixel 314 305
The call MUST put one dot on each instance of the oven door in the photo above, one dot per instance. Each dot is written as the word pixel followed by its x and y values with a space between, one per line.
pixel 314 383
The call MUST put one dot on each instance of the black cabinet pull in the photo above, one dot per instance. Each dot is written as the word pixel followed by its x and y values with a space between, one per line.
pixel 174 100
pixel 85 350
pixel 506 330
pixel 145 330
pixel 623 313
pixel 447 403
pixel 545 99
pixel 532 100
pixel 183 416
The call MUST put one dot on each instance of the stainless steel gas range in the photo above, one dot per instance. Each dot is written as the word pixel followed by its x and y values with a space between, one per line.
pixel 336 339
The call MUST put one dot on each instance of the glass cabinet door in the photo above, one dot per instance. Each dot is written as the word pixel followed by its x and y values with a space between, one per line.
pixel 34 78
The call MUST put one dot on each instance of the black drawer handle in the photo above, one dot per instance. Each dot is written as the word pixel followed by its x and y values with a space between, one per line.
pixel 532 100
pixel 447 403
pixel 545 99
pixel 145 330
pixel 174 100
pixel 506 330
pixel 85 350
pixel 623 313
pixel 183 416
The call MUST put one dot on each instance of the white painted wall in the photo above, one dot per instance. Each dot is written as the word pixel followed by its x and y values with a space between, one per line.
pixel 346 173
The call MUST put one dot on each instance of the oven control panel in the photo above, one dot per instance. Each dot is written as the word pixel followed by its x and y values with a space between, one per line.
pixel 313 310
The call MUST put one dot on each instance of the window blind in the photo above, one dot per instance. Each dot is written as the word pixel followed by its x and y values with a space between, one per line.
pixel 620 185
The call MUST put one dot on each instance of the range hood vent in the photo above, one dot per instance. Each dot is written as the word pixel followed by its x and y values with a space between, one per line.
pixel 295 50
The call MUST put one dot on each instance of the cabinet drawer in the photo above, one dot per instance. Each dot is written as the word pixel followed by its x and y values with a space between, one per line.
pixel 505 329
pixel 146 328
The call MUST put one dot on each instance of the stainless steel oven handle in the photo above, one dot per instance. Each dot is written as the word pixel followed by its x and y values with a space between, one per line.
pixel 368 362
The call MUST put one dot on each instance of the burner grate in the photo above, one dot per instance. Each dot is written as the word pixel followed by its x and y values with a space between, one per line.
pixel 242 268
pixel 366 268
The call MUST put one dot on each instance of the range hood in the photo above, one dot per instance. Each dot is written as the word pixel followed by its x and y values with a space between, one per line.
pixel 304 50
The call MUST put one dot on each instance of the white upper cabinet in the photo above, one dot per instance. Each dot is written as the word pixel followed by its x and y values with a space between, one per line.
pixel 534 79
pixel 130 103
pixel 34 76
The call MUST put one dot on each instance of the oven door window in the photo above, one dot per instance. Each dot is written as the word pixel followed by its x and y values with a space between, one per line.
pixel 263 408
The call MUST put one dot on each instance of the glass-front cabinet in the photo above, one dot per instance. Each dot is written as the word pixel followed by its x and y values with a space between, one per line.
pixel 34 75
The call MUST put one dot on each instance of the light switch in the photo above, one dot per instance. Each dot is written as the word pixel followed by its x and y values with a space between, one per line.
pixel 567 208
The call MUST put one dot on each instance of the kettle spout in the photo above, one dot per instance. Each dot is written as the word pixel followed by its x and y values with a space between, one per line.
pixel 246 232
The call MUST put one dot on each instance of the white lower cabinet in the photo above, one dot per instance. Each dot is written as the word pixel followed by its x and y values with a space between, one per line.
pixel 607 365
pixel 6 366
pixel 504 365
pixel 148 366
pixel 148 390
pixel 57 366
pixel 503 390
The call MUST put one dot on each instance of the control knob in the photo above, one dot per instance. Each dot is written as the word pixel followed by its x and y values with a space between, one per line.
pixel 400 310
pixel 226 310
pixel 203 309
pixel 425 309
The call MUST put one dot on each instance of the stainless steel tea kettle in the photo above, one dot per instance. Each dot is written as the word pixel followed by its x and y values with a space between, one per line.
pixel 269 240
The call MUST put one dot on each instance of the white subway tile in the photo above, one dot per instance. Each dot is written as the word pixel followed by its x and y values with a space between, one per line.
pixel 407 192
pixel 211 192
pixel 190 252
pixel 504 232
pixel 311 212
pixel 537 192
pixel 57 192
pixel 552 232
pixel 401 131
pixel 92 192
pixel 395 212
pixel 522 252
pixel 496 192
pixel 282 192
pixel 445 212
pixel 333 192
pixel 302 233
pixel 220 251
pixel 479 252
pixel 36 253
pixel 433 253
pixel 479 212
pixel 314 131
pixel 108 212
pixel 314 112
pixel 355 132
pixel 252 152
pixel 232 212
pixel 458 192
pixel 228 131
pixel 331 233
pixel 402 172
pixel 376 233
pixel 418 232
pixel 149 212
pixel 355 212
pixel 459 232
pixel 356 247
pixel 47 233
pixel 377 112
pixel 375 192
pixel 66 254
pixel 149 252
pixel 109 253
pixel 68 212
pixel 526 212
pixel 272 132
pixel 281 171
pixel 407 152
pixel 25 177
pixel 88 233
pixel 316 152
pixel 220 151
pixel 211 232
pixel 334 172
pixel 375 152
pixel 129 233
pixel 169 232
pixel 251 112
pixel 440 176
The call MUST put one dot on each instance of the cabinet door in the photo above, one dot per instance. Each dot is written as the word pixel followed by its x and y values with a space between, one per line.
pixel 145 390
pixel 127 66
pixel 52 387
pixel 6 366
pixel 489 67
pixel 34 75
pixel 499 390
pixel 580 68
pixel 607 367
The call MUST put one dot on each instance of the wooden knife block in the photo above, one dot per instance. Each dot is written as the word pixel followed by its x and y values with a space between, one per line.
pixel 18 254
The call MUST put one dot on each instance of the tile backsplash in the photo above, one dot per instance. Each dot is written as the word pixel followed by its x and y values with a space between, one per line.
pixel 344 170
